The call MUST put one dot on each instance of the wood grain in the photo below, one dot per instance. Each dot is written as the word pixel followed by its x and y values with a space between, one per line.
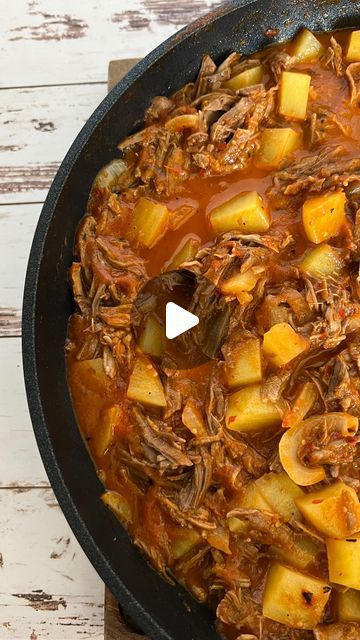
pixel 53 67
pixel 115 626
pixel 48 588
pixel 80 38
pixel 117 69
pixel 20 461
pixel 37 128
pixel 18 224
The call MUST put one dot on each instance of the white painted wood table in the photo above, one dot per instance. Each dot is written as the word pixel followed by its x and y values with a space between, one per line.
pixel 53 69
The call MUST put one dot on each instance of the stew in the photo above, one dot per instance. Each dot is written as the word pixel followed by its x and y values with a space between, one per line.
pixel 238 475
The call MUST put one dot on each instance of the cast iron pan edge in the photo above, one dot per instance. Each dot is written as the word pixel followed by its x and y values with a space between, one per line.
pixel 162 611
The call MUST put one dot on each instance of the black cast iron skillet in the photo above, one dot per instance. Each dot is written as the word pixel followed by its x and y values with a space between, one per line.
pixel 160 610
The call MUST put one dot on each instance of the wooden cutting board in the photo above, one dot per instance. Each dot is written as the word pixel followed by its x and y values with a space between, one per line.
pixel 116 625
pixel 117 69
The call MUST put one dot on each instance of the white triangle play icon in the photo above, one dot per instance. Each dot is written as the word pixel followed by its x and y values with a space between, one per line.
pixel 178 320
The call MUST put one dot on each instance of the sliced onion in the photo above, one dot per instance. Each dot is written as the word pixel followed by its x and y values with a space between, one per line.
pixel 344 424
pixel 109 175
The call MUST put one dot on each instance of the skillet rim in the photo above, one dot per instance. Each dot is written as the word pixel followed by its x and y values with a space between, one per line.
pixel 42 434
pixel 29 358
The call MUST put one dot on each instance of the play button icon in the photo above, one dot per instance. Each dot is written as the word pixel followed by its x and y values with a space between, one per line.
pixel 183 324
pixel 178 321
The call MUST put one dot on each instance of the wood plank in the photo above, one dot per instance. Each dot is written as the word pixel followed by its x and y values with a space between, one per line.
pixel 73 42
pixel 20 461
pixel 48 588
pixel 18 224
pixel 117 69
pixel 116 627
pixel 37 128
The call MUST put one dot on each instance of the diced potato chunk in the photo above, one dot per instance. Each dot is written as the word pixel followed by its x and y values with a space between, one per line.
pixel 293 598
pixel 119 505
pixel 185 254
pixel 324 216
pixel 304 401
pixel 321 262
pixel 282 344
pixel 246 78
pixel 240 282
pixel 248 412
pixel 344 561
pixel 152 339
pixel 145 385
pixel 294 94
pixel 238 526
pixel 253 498
pixel 334 510
pixel 353 50
pixel 181 215
pixel 150 221
pixel 306 46
pixel 193 419
pixel 275 145
pixel 245 211
pixel 348 605
pixel 92 372
pixel 246 367
pixel 185 121
pixel 182 541
pixel 301 556
pixel 218 538
pixel 104 433
pixel 280 492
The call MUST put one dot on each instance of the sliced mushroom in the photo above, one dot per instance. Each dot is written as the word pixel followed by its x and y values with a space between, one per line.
pixel 343 424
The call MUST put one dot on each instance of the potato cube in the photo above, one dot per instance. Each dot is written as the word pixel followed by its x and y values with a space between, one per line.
pixel 246 78
pixel 301 556
pixel 353 49
pixel 245 212
pixel 236 525
pixel 306 46
pixel 248 412
pixel 324 216
pixel 275 145
pixel 246 365
pixel 193 418
pixel 294 94
pixel 293 598
pixel 92 372
pixel 282 344
pixel 105 430
pixel 344 561
pixel 252 498
pixel 244 281
pixel 145 385
pixel 321 262
pixel 150 221
pixel 181 215
pixel 348 605
pixel 327 510
pixel 152 339
pixel 119 505
pixel 184 254
pixel 280 493
pixel 182 541
pixel 218 538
